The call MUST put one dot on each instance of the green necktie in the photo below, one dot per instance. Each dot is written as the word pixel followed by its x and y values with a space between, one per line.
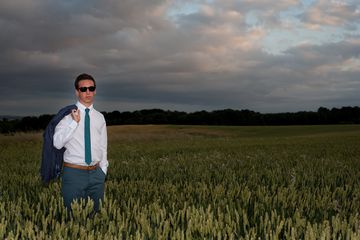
pixel 87 137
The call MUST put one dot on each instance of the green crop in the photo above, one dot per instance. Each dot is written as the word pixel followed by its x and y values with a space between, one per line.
pixel 196 182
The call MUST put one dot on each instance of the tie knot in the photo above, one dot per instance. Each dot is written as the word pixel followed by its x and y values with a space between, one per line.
pixel 87 110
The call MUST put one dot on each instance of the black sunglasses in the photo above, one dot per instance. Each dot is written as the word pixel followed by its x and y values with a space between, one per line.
pixel 84 89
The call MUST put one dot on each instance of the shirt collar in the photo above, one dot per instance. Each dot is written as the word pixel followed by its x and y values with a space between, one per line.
pixel 82 107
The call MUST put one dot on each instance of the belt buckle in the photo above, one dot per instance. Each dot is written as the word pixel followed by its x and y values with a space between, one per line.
pixel 93 167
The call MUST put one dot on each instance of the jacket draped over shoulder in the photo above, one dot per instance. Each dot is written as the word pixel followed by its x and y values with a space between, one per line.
pixel 52 158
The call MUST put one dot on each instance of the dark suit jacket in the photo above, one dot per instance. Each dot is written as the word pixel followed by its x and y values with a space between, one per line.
pixel 52 158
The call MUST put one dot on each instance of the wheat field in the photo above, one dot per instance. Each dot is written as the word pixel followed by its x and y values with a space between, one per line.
pixel 196 182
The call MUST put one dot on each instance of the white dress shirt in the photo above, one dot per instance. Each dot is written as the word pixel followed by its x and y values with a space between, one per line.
pixel 70 134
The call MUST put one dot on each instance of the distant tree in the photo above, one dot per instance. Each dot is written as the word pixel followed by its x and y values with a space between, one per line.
pixel 8 126
pixel 344 115
pixel 44 120
pixel 29 124
pixel 324 115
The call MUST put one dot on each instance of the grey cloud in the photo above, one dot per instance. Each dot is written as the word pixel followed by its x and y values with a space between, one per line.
pixel 333 13
pixel 142 58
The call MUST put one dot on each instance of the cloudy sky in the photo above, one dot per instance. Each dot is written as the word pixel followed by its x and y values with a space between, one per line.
pixel 186 55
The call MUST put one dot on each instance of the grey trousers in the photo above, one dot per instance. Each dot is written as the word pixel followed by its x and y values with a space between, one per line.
pixel 77 184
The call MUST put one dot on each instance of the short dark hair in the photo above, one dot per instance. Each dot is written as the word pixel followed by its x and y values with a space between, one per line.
pixel 83 76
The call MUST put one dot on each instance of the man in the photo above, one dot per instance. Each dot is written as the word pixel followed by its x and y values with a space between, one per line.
pixel 84 136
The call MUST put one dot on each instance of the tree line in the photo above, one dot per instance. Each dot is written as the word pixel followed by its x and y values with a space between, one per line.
pixel 343 115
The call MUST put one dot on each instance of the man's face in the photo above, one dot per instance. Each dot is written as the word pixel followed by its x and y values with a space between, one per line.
pixel 87 97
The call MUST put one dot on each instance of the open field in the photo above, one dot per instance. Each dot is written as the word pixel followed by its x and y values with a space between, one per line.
pixel 196 182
